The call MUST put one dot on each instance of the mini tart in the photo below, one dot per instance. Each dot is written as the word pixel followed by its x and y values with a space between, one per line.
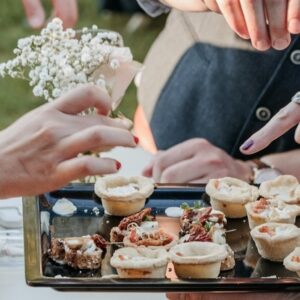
pixel 196 260
pixel 284 188
pixel 140 262
pixel 274 241
pixel 123 196
pixel 155 239
pixel 230 195
pixel 292 261
pixel 266 211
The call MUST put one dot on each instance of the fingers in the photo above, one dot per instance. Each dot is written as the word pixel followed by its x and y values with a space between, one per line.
pixel 232 12
pixel 67 11
pixel 297 134
pixel 276 12
pixel 285 119
pixel 34 12
pixel 293 16
pixel 82 98
pixel 94 139
pixel 256 23
pixel 80 167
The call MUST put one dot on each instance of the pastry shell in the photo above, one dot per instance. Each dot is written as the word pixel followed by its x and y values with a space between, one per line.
pixel 196 260
pixel 292 261
pixel 268 211
pixel 274 241
pixel 127 202
pixel 230 195
pixel 284 187
pixel 140 262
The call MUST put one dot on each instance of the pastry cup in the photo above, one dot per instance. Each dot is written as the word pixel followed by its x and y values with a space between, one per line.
pixel 292 261
pixel 284 188
pixel 122 196
pixel 274 241
pixel 265 211
pixel 230 195
pixel 140 262
pixel 197 260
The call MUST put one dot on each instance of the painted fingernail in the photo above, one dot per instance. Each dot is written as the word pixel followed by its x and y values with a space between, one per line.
pixel 294 26
pixel 247 145
pixel 136 139
pixel 280 44
pixel 118 165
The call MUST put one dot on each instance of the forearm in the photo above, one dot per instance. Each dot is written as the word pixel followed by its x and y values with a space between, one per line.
pixel 286 162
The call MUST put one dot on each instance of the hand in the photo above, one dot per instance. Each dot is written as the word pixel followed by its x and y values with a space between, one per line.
pixel 285 119
pixel 39 152
pixel 267 23
pixel 194 161
pixel 64 9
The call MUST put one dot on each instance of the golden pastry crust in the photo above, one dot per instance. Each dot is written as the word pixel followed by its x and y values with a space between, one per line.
pixel 140 262
pixel 274 241
pixel 292 261
pixel 230 195
pixel 123 196
pixel 284 188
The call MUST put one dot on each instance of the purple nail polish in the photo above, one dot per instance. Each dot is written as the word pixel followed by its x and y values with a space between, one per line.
pixel 247 145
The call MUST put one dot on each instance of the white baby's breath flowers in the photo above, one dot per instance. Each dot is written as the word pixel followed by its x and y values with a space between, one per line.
pixel 58 60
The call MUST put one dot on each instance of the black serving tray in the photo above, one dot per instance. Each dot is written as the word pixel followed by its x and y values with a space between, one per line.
pixel 251 273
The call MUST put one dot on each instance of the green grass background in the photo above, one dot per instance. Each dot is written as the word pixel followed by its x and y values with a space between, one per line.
pixel 16 96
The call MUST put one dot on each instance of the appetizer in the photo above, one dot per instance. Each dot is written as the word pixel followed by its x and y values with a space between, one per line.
pixel 140 262
pixel 284 188
pixel 292 261
pixel 274 241
pixel 122 196
pixel 196 260
pixel 78 252
pixel 230 195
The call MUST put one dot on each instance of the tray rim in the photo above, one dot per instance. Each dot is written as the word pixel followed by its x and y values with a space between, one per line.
pixel 34 275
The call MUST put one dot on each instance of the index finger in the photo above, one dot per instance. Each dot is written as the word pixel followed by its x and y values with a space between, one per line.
pixel 34 12
pixel 285 119
pixel 82 98
pixel 67 11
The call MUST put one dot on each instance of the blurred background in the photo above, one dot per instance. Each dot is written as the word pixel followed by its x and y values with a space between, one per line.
pixel 124 16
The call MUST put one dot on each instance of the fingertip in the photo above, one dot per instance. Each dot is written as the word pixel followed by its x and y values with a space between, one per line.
pixel 294 26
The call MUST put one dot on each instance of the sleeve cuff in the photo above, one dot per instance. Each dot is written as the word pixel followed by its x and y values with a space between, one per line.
pixel 153 7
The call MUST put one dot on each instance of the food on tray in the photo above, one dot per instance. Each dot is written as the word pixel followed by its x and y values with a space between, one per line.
pixel 198 259
pixel 265 211
pixel 144 218
pixel 274 241
pixel 64 207
pixel 230 195
pixel 122 196
pixel 284 187
pixel 78 252
pixel 206 225
pixel 292 261
pixel 140 262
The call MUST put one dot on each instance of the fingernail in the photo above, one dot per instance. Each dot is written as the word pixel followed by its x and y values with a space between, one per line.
pixel 136 139
pixel 280 44
pixel 294 26
pixel 118 165
pixel 247 145
pixel 262 45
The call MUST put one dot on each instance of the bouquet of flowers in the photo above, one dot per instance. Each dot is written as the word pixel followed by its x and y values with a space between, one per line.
pixel 58 60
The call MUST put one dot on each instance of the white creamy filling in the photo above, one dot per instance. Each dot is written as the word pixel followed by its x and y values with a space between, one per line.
pixel 123 190
pixel 64 207
pixel 149 225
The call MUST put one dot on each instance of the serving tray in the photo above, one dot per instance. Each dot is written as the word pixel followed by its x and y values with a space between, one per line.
pixel 251 273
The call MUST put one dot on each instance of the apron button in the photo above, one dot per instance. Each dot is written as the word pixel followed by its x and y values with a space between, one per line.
pixel 263 114
pixel 295 57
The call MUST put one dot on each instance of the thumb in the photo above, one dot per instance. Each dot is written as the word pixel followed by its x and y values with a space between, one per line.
pixel 34 12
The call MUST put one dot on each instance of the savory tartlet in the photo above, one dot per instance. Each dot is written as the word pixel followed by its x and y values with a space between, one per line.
pixel 230 195
pixel 284 188
pixel 196 260
pixel 266 211
pixel 122 196
pixel 78 252
pixel 140 262
pixel 292 261
pixel 274 241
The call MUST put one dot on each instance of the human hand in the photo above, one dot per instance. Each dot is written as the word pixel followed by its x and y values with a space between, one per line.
pixel 39 152
pixel 194 161
pixel 267 23
pixel 285 119
pixel 63 9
